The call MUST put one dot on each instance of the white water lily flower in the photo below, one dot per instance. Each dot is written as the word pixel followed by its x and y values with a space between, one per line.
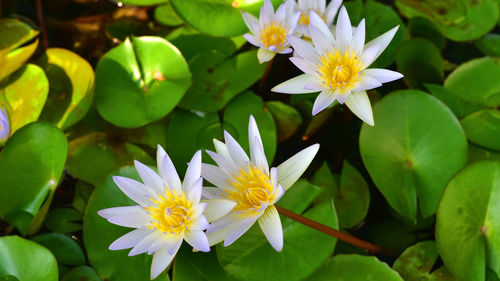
pixel 270 30
pixel 337 66
pixel 4 125
pixel 168 212
pixel 246 189
pixel 326 12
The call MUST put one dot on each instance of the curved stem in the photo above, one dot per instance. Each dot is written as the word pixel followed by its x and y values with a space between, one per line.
pixel 335 233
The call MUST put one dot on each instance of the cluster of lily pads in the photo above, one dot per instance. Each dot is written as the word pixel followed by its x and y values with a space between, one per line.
pixel 418 177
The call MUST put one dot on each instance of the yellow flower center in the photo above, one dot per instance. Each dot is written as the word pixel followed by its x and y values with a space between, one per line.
pixel 273 35
pixel 171 212
pixel 340 71
pixel 304 17
pixel 254 190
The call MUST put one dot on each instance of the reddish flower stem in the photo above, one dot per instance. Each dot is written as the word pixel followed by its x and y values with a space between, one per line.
pixel 41 22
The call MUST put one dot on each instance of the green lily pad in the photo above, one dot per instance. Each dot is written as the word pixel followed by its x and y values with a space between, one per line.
pixel 143 2
pixel 24 94
pixel 455 103
pixel 416 263
pixel 31 165
pixel 409 155
pixel 355 268
pixel 476 82
pixel 457 20
pixel 65 249
pixel 165 15
pixel 419 60
pixel 236 118
pixel 63 220
pixel 25 260
pixel 300 257
pixel 81 273
pixel 468 222
pixel 327 180
pixel 98 234
pixel 216 17
pixel 197 266
pixel 17 44
pixel 71 80
pixel 477 153
pixel 81 196
pixel 217 81
pixel 420 27
pixel 287 119
pixel 483 128
pixel 489 45
pixel 140 81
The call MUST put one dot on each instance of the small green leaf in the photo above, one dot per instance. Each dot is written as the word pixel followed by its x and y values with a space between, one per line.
pixel 483 128
pixel 63 220
pixel 287 119
pixel 81 273
pixel 26 260
pixel 165 15
pixel 420 27
pixel 65 249
pixel 197 266
pixel 489 45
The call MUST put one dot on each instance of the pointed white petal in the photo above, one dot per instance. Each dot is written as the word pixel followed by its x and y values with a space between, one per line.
pixel 253 136
pixel 270 224
pixel 369 55
pixel 193 172
pixel 116 211
pixel 360 105
pixel 217 208
pixel 130 239
pixel 304 49
pixel 280 13
pixel 252 39
pixel 315 85
pixel 358 40
pixel 198 240
pixel 239 229
pixel 295 85
pixel 285 51
pixel 265 55
pixel 161 260
pixel 341 97
pixel 134 190
pixel 157 244
pixel 224 222
pixel 136 220
pixel 250 20
pixel 280 191
pixel 382 41
pixel 216 176
pixel 149 177
pixel 318 22
pixel 238 155
pixel 217 236
pixel 306 66
pixel 145 243
pixel 199 223
pixel 324 99
pixel 258 156
pixel 382 75
pixel 173 243
pixel 194 193
pixel 291 170
pixel 320 41
pixel 221 149
pixel 227 165
pixel 343 31
pixel 331 10
pixel 367 83
pixel 266 13
pixel 169 174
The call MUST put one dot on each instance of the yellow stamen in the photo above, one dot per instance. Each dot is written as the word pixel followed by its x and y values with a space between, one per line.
pixel 254 191
pixel 273 35
pixel 304 17
pixel 340 72
pixel 172 212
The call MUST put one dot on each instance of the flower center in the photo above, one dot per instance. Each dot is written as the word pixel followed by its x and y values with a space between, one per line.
pixel 254 191
pixel 273 35
pixel 171 212
pixel 340 71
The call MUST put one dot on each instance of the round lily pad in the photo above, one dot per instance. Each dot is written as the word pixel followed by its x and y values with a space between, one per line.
pixel 483 128
pixel 24 260
pixel 189 266
pixel 81 273
pixel 65 249
pixel 71 80
pixel 410 155
pixel 18 41
pixel 468 222
pixel 287 119
pixel 165 15
pixel 140 81
pixel 30 167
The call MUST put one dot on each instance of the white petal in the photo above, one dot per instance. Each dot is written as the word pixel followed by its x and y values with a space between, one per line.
pixel 172 243
pixel 116 211
pixel 270 224
pixel 238 229
pixel 265 55
pixel 367 83
pixel 224 222
pixel 266 13
pixel 252 39
pixel 304 50
pixel 238 155
pixel 169 174
pixel 212 193
pixel 343 31
pixel 369 55
pixel 281 13
pixel 225 164
pixel 136 220
pixel 280 191
pixel 200 223
pixel 382 75
pixel 382 41
pixel 157 244
pixel 193 172
pixel 216 176
pixel 323 100
pixel 195 189
pixel 341 97
pixel 198 240
pixel 359 104
pixel 295 85
pixel 149 177
pixel 318 22
pixel 217 208
pixel 256 147
pixel 291 170
pixel 306 66
pixel 130 239
pixel 285 51
pixel 134 190
pixel 217 236
pixel 221 149
pixel 198 210
pixel 316 85
pixel 161 260
pixel 320 41
pixel 331 10
pixel 145 243
pixel 358 40
pixel 250 20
